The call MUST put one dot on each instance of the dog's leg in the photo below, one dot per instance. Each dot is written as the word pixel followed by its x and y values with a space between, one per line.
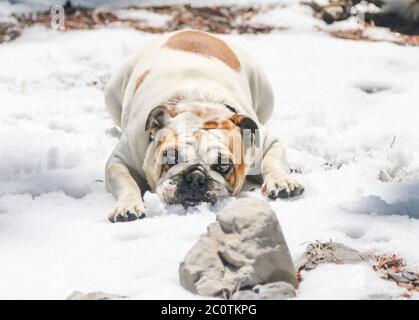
pixel 277 183
pixel 130 205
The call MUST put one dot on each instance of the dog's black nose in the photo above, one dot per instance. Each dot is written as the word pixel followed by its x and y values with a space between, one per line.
pixel 195 179
pixel 193 188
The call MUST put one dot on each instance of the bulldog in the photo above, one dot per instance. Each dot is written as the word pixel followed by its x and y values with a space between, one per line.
pixel 191 109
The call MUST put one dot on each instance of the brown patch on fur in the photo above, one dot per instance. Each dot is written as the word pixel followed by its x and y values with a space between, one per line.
pixel 162 140
pixel 220 124
pixel 236 118
pixel 204 44
pixel 211 124
pixel 227 125
pixel 199 110
pixel 172 110
pixel 231 178
pixel 168 137
pixel 237 177
pixel 140 80
pixel 235 140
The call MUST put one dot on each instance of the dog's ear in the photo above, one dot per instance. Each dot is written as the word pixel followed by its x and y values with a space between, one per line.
pixel 249 130
pixel 157 118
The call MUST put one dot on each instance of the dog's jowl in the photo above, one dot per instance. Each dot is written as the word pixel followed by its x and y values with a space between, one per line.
pixel 192 110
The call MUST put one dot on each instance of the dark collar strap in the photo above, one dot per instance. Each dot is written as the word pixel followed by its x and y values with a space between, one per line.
pixel 230 108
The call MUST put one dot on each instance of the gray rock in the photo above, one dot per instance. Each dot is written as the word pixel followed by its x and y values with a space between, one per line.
pixel 333 10
pixel 333 13
pixel 271 291
pixel 409 276
pixel 96 295
pixel 245 247
pixel 398 277
pixel 328 252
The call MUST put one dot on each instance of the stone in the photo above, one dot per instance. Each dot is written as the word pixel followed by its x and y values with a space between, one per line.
pixel 409 276
pixel 333 13
pixel 397 277
pixel 243 248
pixel 96 295
pixel 271 291
pixel 328 252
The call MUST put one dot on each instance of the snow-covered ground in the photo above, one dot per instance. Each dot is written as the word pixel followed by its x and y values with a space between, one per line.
pixel 358 153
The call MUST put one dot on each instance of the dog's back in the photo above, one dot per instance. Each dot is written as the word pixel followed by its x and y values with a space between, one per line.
pixel 191 65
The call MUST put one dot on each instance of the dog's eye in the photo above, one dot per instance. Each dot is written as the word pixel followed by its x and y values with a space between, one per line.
pixel 170 157
pixel 223 168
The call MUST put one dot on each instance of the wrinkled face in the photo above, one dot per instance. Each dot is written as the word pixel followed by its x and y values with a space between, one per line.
pixel 195 157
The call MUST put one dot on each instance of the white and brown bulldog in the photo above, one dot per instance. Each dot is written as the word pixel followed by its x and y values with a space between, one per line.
pixel 191 109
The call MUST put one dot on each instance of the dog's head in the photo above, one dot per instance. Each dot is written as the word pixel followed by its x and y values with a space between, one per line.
pixel 197 152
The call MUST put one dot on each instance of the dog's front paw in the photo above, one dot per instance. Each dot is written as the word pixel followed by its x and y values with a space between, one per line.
pixel 281 187
pixel 127 211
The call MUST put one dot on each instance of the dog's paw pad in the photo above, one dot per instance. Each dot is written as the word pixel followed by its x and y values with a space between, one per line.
pixel 126 213
pixel 281 188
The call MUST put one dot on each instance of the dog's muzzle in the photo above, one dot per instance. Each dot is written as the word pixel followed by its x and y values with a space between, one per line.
pixel 193 187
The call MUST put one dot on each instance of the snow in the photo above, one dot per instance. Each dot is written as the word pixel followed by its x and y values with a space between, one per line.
pixel 289 15
pixel 358 152
pixel 354 284
pixel 151 18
